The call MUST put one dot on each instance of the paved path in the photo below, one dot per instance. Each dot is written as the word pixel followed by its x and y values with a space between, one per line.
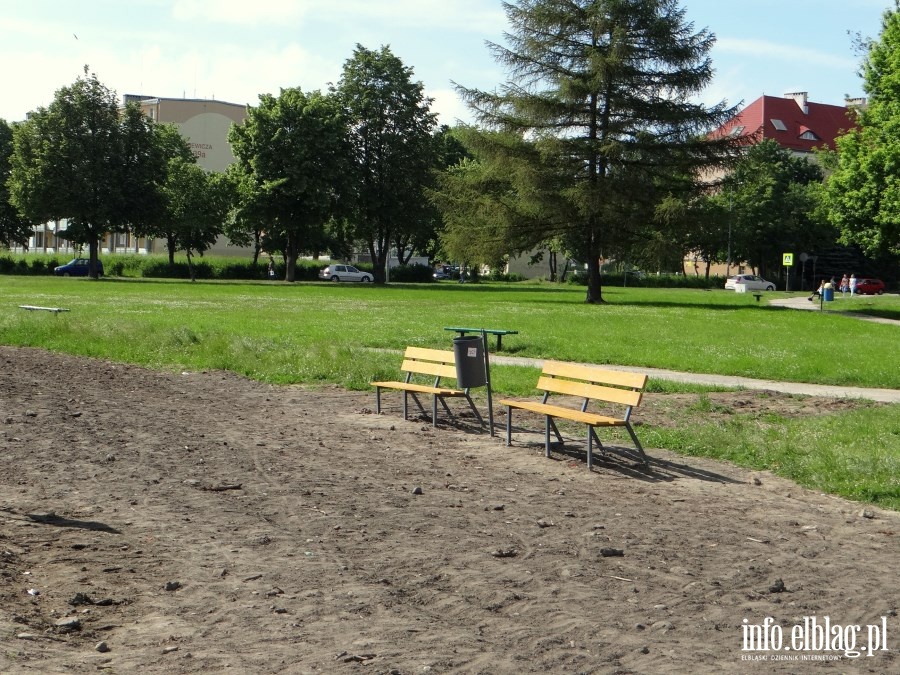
pixel 816 305
pixel 881 395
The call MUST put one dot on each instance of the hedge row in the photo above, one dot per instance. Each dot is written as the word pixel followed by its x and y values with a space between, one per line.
pixel 158 267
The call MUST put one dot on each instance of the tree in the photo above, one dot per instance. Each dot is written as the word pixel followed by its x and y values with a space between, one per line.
pixel 862 194
pixel 393 151
pixel 171 152
pixel 292 165
pixel 603 88
pixel 14 229
pixel 771 197
pixel 197 204
pixel 80 159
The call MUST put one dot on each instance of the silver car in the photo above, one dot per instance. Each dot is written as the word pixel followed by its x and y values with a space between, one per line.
pixel 344 273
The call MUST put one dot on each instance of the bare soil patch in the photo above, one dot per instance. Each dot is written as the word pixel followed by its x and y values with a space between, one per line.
pixel 204 523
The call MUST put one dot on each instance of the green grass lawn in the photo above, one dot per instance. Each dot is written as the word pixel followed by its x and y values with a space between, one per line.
pixel 317 332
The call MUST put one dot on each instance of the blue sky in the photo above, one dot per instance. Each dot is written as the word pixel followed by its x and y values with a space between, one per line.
pixel 234 50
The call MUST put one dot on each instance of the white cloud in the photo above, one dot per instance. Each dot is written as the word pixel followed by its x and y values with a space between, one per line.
pixel 761 49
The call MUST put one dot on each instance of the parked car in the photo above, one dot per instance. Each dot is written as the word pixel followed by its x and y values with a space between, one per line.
pixel 344 273
pixel 750 281
pixel 870 286
pixel 79 267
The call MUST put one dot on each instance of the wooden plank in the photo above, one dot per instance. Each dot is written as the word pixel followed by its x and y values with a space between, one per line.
pixel 591 391
pixel 594 374
pixel 563 412
pixel 439 355
pixel 419 388
pixel 428 368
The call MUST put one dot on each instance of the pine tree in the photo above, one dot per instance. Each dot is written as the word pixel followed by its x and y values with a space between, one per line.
pixel 604 92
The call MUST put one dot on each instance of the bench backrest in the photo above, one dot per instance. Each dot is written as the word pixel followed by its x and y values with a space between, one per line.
pixel 592 383
pixel 435 362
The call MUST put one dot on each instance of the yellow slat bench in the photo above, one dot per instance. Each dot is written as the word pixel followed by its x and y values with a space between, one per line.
pixel 590 384
pixel 421 362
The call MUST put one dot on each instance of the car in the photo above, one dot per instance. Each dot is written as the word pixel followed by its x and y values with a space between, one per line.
pixel 440 274
pixel 78 267
pixel 751 282
pixel 341 272
pixel 869 286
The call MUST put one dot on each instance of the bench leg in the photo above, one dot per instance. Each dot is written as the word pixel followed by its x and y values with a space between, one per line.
pixel 434 410
pixel 377 400
pixel 475 410
pixel 547 437
pixel 508 426
pixel 590 452
pixel 556 431
pixel 405 405
pixel 638 445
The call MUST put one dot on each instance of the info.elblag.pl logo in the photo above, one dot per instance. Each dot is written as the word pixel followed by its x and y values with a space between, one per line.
pixel 814 639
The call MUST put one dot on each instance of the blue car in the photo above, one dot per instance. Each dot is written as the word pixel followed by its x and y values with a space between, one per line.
pixel 79 267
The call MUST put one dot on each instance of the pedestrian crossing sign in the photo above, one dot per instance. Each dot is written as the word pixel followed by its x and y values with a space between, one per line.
pixel 788 259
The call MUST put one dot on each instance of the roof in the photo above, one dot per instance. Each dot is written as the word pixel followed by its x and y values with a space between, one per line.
pixel 791 121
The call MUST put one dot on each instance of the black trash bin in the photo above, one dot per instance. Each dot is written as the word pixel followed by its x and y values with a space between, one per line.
pixel 468 352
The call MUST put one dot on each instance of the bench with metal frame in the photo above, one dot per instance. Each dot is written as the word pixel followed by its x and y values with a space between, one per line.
pixel 492 331
pixel 420 362
pixel 591 384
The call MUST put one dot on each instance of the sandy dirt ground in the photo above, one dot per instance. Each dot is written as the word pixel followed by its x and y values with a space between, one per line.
pixel 203 523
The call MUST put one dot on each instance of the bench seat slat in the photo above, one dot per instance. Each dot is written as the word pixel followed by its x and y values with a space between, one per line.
pixel 420 388
pixel 594 419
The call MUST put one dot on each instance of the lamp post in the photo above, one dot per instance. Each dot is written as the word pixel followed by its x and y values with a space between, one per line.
pixel 730 219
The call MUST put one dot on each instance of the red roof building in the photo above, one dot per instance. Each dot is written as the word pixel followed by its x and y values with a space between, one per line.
pixel 792 121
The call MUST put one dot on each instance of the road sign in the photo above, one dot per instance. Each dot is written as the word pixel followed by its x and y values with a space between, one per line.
pixel 788 259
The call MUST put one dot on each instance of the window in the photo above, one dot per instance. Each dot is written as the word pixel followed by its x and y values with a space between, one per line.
pixel 809 136
pixel 778 124
pixel 736 131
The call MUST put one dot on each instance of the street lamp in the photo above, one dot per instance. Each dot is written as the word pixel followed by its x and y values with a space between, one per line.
pixel 730 219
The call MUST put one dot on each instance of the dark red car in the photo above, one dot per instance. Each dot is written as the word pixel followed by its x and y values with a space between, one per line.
pixel 869 286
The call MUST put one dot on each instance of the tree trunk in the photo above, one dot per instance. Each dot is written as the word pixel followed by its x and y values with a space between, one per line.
pixel 594 289
pixel 551 260
pixel 290 257
pixel 190 260
pixel 93 250
pixel 170 247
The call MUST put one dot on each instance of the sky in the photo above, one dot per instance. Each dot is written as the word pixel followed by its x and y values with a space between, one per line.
pixel 235 50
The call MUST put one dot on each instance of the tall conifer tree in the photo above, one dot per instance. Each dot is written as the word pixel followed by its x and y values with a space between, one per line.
pixel 605 91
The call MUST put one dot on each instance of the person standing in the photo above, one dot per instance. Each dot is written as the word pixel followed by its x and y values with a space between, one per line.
pixel 852 285
pixel 845 285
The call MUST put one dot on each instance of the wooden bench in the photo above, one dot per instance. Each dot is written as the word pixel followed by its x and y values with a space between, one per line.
pixel 490 331
pixel 435 364
pixel 590 384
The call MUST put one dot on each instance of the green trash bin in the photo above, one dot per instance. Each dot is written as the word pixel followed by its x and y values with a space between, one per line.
pixel 468 352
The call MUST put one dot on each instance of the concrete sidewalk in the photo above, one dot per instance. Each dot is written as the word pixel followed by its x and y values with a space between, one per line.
pixel 880 395
pixel 816 305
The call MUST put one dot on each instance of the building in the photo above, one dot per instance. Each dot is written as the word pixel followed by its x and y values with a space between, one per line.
pixel 793 121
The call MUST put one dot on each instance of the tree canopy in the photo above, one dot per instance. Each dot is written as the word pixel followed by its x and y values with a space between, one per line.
pixel 393 151
pixel 603 90
pixel 292 170
pixel 862 193
pixel 82 160
pixel 14 228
